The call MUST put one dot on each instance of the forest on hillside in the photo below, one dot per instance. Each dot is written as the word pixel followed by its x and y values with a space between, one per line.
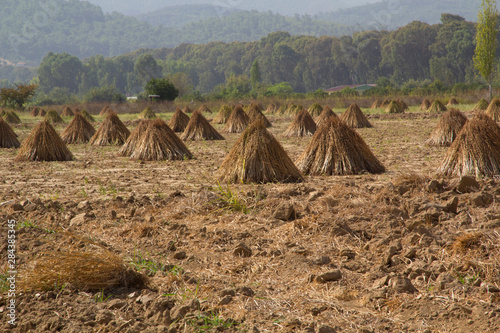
pixel 415 55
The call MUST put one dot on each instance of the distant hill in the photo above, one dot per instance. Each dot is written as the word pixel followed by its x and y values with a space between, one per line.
pixel 177 16
pixel 392 14
pixel 284 7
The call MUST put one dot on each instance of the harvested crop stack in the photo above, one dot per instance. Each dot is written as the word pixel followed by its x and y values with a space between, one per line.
pixel 452 101
pixel 8 139
pixel 35 112
pixel 376 104
pixel 354 117
pixel 294 109
pixel 325 115
pixel 237 122
pixel 426 104
pixel 475 151
pixel 199 128
pixel 315 109
pixel 158 143
pixel 42 113
pixel 394 107
pixel 111 132
pixel 87 116
pixel 450 124
pixel 43 144
pixel 386 102
pixel 493 109
pixel 302 125
pixel 255 113
pixel 223 114
pixel 67 112
pixel 437 106
pixel 179 121
pixel 187 109
pixel 272 108
pixel 134 138
pixel 257 157
pixel 204 108
pixel 402 105
pixel 482 105
pixel 53 117
pixel 78 131
pixel 336 149
pixel 147 113
pixel 106 110
pixel 12 118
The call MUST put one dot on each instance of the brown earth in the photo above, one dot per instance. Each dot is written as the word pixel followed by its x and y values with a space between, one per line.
pixel 398 252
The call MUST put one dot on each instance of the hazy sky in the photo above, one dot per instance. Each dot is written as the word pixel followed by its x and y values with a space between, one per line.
pixel 286 7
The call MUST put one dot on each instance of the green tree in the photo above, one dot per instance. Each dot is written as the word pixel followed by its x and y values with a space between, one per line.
pixel 104 94
pixel 60 70
pixel 18 96
pixel 147 68
pixel 163 88
pixel 484 57
pixel 255 75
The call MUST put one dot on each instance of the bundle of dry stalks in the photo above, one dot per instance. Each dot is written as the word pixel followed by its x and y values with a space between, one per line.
pixel 78 131
pixel 106 110
pixel 453 101
pixel 147 113
pixel 199 128
pixel 394 107
pixel 493 109
pixel 223 114
pixel 187 109
pixel 447 129
pixel 475 151
pixel 67 112
pixel 437 106
pixel 8 139
pixel 42 113
pixel 257 157
pixel 111 132
pixel 336 149
pixel 53 117
pixel 237 122
pixel 158 143
pixel 482 105
pixel 35 112
pixel 325 115
pixel 44 144
pixel 426 104
pixel 255 113
pixel 134 138
pixel 354 117
pixel 272 108
pixel 204 108
pixel 87 116
pixel 11 117
pixel 302 125
pixel 179 121
pixel 376 104
pixel 315 109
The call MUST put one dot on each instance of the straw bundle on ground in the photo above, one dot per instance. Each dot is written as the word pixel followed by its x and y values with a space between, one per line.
pixel 179 121
pixel 354 117
pixel 394 107
pixel 337 149
pixel 111 131
pixel 402 104
pixel 11 117
pixel 452 101
pixel 106 110
pixel 257 157
pixel 67 112
pixel 475 151
pixel 255 113
pixel 187 109
pixel 53 117
pixel 204 108
pixel 376 104
pixel 158 142
pixel 272 108
pixel 8 139
pixel 426 104
pixel 282 109
pixel 482 105
pixel 35 112
pixel 134 138
pixel 79 130
pixel 199 128
pixel 315 109
pixel 294 109
pixel 76 110
pixel 325 115
pixel 87 116
pixel 493 109
pixel 223 114
pixel 147 113
pixel 2 112
pixel 447 129
pixel 386 102
pixel 79 270
pixel 42 113
pixel 43 144
pixel 237 122
pixel 302 125
pixel 437 106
